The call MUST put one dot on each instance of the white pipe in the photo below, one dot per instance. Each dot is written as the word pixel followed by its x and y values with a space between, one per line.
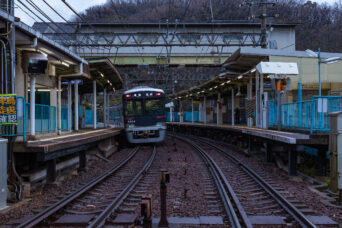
pixel 94 104
pixel 32 105
pixel 76 105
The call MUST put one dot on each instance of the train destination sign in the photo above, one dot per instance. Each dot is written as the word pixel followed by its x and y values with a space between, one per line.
pixel 8 109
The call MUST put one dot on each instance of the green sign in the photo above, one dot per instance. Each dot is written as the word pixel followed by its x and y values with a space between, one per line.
pixel 8 109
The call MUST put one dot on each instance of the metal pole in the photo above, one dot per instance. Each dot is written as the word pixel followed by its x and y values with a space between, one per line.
pixel 205 110
pixel 263 24
pixel 104 107
pixel 76 105
pixel 233 115
pixel 219 110
pixel 32 105
pixel 319 72
pixel 94 104
pixel 69 105
pixel 192 111
pixel 59 107
pixel 257 110
pixel 12 39
pixel 261 99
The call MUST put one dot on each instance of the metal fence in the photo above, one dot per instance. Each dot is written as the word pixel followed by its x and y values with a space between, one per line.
pixel 115 117
pixel 311 115
pixel 46 118
pixel 187 116
pixel 64 117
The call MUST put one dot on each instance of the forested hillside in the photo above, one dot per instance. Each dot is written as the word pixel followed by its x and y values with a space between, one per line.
pixel 319 24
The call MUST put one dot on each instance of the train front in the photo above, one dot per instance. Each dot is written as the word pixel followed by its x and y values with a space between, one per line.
pixel 144 115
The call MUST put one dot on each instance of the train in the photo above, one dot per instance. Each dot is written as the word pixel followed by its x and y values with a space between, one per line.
pixel 144 114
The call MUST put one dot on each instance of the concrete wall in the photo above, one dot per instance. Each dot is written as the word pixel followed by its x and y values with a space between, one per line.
pixel 331 77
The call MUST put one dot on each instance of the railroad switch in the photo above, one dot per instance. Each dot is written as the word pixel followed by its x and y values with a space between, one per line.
pixel 164 179
pixel 146 210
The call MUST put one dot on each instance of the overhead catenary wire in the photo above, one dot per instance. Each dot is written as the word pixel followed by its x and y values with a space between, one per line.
pixel 47 17
pixel 43 14
pixel 79 16
pixel 53 9
pixel 24 11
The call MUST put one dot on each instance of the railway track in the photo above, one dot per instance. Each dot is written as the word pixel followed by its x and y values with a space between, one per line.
pixel 93 203
pixel 254 198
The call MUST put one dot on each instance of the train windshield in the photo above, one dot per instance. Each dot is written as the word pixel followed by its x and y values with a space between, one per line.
pixel 154 107
pixel 133 108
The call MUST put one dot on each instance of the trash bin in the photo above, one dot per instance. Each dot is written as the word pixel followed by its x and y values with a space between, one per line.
pixel 3 173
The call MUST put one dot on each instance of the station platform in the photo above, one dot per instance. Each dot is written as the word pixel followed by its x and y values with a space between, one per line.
pixel 50 148
pixel 63 143
pixel 271 141
pixel 292 138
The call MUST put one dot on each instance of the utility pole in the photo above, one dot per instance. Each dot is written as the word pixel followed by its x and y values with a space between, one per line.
pixel 263 18
pixel 262 5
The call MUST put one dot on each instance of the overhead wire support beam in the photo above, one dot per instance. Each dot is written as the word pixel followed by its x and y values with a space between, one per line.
pixel 158 39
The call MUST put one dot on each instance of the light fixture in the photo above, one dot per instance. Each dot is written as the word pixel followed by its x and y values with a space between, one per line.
pixel 215 87
pixel 239 94
pixel 253 70
pixel 241 76
pixel 65 64
pixel 222 84
pixel 311 53
pixel 108 81
pixel 228 81
pixel 102 75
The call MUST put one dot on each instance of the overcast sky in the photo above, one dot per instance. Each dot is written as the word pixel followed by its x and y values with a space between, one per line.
pixel 79 5
pixel 58 5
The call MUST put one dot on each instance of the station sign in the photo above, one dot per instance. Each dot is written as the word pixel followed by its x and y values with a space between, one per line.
pixel 8 109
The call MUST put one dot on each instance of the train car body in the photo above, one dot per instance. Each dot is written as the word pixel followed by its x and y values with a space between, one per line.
pixel 144 114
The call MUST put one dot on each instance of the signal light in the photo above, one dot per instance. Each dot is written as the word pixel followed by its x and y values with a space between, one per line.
pixel 128 95
pixel 158 94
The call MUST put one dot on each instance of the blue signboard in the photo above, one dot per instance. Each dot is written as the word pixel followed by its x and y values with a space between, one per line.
pixel 8 109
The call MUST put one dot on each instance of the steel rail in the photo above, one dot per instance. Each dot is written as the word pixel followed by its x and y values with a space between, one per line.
pixel 100 220
pixel 226 191
pixel 38 218
pixel 283 202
